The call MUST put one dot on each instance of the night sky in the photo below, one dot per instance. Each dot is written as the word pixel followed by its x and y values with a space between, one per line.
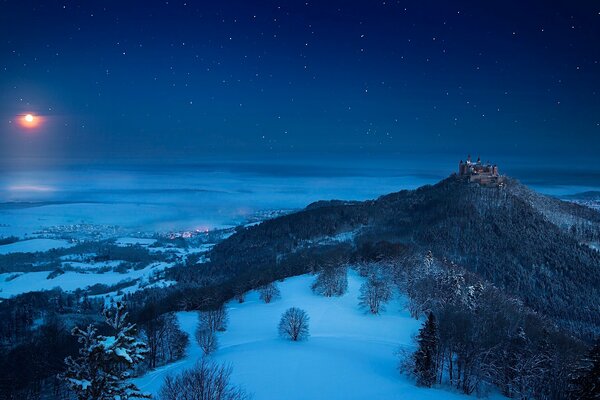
pixel 184 79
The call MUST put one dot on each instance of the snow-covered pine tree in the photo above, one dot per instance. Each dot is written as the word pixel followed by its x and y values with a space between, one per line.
pixel 426 355
pixel 585 381
pixel 102 370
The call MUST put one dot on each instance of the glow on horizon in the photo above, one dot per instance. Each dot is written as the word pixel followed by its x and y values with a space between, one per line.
pixel 30 188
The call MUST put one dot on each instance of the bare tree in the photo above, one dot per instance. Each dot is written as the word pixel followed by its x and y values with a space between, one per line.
pixel 374 293
pixel 269 292
pixel 331 281
pixel 166 342
pixel 214 320
pixel 294 324
pixel 207 339
pixel 206 381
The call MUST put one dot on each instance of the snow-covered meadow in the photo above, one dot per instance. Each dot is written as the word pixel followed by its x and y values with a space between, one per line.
pixel 33 245
pixel 349 354
pixel 12 284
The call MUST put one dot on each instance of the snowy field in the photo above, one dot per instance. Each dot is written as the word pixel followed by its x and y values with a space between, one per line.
pixel 349 355
pixel 12 284
pixel 131 241
pixel 33 245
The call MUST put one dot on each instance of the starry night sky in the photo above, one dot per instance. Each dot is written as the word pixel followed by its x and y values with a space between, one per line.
pixel 200 79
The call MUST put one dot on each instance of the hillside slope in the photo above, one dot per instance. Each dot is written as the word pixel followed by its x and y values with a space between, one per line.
pixel 349 354
pixel 528 244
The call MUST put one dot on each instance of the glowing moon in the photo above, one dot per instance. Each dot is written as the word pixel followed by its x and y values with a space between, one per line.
pixel 30 120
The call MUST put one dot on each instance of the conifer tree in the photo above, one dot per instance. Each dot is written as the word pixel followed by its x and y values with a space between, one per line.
pixel 426 355
pixel 586 379
pixel 102 370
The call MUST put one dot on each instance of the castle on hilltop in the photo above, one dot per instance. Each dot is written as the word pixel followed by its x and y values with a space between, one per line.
pixel 478 172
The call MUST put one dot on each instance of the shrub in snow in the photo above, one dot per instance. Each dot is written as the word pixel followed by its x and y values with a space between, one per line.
pixel 239 294
pixel 207 339
pixel 206 381
pixel 374 293
pixel 269 292
pixel 240 297
pixel 331 282
pixel 102 370
pixel 294 324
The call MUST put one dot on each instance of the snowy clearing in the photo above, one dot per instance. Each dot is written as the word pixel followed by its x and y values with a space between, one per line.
pixel 349 355
pixel 34 245
pixel 70 280
pixel 130 241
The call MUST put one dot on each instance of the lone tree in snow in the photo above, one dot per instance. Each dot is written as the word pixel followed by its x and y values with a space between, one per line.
pixel 206 381
pixel 101 371
pixel 425 358
pixel 374 293
pixel 294 324
pixel 269 292
pixel 331 281
pixel 207 339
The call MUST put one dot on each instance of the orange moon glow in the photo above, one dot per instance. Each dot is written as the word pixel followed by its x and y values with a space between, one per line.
pixel 29 120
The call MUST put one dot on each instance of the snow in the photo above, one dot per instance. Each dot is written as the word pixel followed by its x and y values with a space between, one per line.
pixel 108 342
pixel 90 266
pixel 70 280
pixel 123 354
pixel 130 241
pixel 83 384
pixel 349 354
pixel 34 245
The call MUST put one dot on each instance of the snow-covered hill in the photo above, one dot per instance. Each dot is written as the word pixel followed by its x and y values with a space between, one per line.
pixel 33 245
pixel 12 284
pixel 349 355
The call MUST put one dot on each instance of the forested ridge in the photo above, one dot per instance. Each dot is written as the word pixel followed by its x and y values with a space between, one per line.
pixel 525 243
